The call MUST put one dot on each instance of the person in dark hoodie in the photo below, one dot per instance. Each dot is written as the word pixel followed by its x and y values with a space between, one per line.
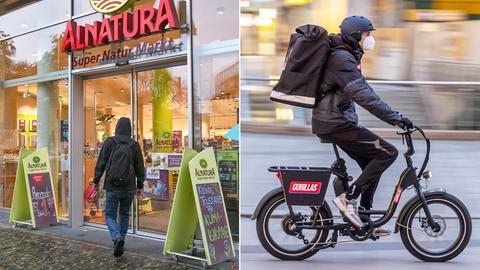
pixel 334 118
pixel 120 195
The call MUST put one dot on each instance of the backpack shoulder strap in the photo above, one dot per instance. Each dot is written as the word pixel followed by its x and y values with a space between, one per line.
pixel 114 145
pixel 131 143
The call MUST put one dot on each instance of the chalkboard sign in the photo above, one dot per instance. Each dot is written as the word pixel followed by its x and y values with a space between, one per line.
pixel 39 187
pixel 216 234
pixel 43 203
pixel 215 221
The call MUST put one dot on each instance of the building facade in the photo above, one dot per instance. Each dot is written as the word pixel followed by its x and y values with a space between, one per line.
pixel 68 72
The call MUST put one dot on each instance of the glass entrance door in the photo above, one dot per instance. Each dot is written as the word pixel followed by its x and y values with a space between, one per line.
pixel 106 99
pixel 161 126
pixel 162 131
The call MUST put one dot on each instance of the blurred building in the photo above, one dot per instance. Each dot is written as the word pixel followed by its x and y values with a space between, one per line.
pixel 425 63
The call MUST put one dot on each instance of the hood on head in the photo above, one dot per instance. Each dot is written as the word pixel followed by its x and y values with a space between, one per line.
pixel 124 127
pixel 341 42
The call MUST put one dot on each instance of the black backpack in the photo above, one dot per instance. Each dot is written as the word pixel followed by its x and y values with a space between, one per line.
pixel 299 83
pixel 120 164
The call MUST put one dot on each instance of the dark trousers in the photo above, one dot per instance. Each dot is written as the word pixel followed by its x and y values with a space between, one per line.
pixel 120 201
pixel 372 153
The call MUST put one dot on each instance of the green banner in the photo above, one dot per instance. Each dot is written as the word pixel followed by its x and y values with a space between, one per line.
pixel 214 226
pixel 162 111
pixel 183 216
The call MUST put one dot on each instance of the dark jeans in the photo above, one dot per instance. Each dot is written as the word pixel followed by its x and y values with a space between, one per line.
pixel 372 153
pixel 118 230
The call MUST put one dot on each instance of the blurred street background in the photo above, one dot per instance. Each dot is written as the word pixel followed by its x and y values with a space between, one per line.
pixel 426 61
pixel 426 65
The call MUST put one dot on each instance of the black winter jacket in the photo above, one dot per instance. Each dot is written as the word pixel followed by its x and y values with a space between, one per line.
pixel 344 84
pixel 123 133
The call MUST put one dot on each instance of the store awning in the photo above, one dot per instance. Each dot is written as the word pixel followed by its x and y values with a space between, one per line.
pixel 233 133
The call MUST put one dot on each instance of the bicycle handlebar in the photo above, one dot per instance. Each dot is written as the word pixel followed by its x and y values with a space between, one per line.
pixel 407 136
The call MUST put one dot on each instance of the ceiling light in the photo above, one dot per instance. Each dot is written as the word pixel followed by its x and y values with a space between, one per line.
pixel 24 25
pixel 223 93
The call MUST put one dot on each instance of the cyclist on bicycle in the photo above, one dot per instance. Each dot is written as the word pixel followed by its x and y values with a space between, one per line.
pixel 335 120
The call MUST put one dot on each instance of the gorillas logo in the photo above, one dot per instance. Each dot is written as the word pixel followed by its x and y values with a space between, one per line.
pixel 303 187
pixel 111 6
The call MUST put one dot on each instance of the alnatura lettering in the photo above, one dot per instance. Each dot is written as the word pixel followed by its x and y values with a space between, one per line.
pixel 207 172
pixel 144 21
pixel 41 165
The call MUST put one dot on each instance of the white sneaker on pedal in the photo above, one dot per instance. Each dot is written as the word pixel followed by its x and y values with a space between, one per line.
pixel 349 209
pixel 381 232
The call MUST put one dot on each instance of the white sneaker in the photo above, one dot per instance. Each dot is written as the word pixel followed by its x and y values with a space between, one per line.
pixel 381 232
pixel 348 209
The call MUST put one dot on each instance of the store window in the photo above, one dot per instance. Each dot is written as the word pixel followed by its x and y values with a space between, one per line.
pixel 36 53
pixel 216 92
pixel 163 133
pixel 17 17
pixel 33 116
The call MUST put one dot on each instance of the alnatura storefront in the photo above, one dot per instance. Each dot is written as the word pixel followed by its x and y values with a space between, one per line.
pixel 70 69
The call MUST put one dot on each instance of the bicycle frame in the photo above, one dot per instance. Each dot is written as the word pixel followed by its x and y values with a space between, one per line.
pixel 407 178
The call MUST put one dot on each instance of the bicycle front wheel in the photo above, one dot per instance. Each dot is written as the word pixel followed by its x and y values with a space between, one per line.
pixel 447 238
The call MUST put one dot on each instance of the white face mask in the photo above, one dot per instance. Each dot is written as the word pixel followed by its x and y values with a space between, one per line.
pixel 368 43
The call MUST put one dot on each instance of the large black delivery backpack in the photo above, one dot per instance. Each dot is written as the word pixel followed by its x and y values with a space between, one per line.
pixel 300 79
pixel 120 165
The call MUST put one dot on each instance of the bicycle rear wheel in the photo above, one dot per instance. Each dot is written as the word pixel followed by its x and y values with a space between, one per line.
pixel 278 232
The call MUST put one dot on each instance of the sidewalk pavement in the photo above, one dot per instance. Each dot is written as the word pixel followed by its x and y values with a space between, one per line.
pixel 63 247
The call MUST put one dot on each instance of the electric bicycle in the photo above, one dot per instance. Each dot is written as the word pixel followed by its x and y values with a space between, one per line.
pixel 294 221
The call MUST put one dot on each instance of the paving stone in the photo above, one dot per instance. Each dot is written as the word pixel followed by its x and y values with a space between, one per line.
pixel 22 249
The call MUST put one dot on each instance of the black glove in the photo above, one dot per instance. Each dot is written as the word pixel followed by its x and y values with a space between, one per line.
pixel 405 122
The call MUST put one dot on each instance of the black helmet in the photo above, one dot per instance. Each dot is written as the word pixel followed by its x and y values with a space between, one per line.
pixel 354 26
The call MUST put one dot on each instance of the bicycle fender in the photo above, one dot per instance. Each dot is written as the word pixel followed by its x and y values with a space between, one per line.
pixel 412 201
pixel 265 198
